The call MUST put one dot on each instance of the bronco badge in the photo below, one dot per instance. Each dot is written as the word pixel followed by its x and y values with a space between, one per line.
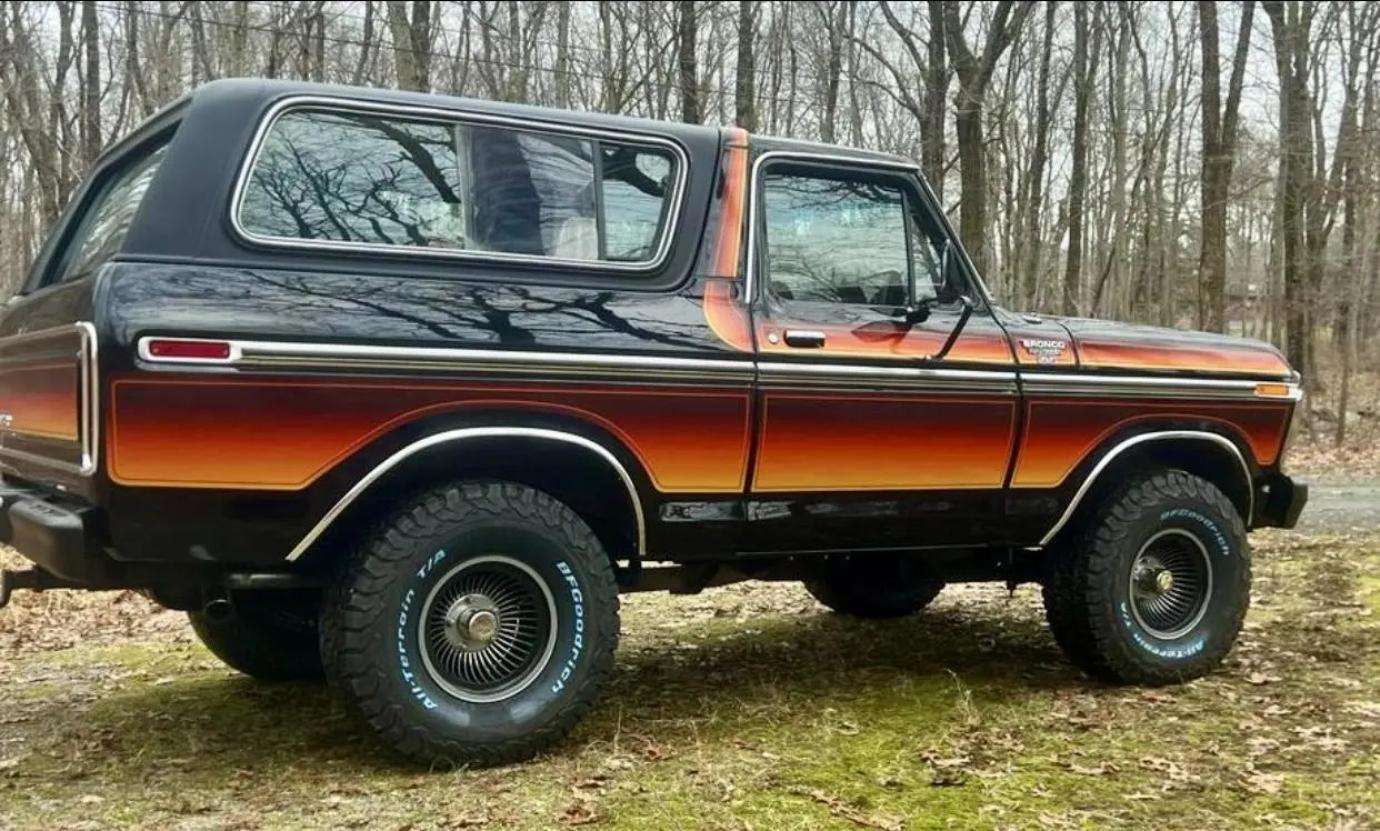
pixel 1044 350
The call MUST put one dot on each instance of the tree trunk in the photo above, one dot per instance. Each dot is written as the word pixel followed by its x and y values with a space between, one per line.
pixel 690 107
pixel 974 75
pixel 1084 72
pixel 936 90
pixel 91 84
pixel 411 43
pixel 833 69
pixel 1219 149
pixel 1295 156
pixel 1035 198
pixel 745 95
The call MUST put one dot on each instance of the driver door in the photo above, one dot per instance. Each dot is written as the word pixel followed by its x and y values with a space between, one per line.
pixel 871 435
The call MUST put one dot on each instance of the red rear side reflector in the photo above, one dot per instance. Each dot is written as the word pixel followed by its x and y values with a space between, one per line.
pixel 195 349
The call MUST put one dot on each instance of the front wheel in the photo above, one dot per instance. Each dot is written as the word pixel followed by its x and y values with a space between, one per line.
pixel 1156 588
pixel 476 625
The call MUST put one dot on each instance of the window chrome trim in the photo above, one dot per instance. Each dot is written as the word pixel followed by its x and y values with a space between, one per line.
pixel 88 407
pixel 1141 439
pixel 475 433
pixel 454 116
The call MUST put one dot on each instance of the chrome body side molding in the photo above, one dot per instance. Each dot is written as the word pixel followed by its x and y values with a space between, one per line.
pixel 1122 386
pixel 464 434
pixel 283 355
pixel 278 355
pixel 791 375
pixel 1198 435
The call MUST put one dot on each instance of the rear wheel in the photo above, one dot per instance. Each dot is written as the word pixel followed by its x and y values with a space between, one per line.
pixel 267 635
pixel 1156 588
pixel 476 625
pixel 873 586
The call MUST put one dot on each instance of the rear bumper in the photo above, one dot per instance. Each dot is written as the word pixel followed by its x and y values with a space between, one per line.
pixel 1281 500
pixel 55 533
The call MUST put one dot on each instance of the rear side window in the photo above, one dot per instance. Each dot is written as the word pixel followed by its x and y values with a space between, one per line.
pixel 363 179
pixel 103 227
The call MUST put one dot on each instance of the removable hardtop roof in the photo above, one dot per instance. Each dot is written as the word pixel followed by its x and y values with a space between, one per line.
pixel 184 215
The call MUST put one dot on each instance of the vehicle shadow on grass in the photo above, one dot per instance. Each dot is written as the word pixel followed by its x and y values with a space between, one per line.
pixel 708 681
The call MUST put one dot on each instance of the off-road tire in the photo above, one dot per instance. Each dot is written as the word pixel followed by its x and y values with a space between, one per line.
pixel 268 635
pixel 373 649
pixel 873 586
pixel 1088 593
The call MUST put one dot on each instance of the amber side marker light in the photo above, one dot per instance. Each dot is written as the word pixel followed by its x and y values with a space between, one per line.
pixel 189 349
pixel 1273 390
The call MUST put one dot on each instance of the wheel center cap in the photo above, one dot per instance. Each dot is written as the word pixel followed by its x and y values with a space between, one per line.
pixel 1153 578
pixel 482 626
pixel 472 622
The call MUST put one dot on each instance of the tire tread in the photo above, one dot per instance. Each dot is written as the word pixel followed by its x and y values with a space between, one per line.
pixel 354 603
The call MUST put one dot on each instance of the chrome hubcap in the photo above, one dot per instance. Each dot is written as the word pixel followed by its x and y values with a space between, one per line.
pixel 1171 583
pixel 487 628
pixel 471 622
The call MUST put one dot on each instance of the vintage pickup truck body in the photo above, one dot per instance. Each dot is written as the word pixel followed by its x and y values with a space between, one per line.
pixel 222 389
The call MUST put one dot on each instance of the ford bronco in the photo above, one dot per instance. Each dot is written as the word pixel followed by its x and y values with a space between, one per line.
pixel 405 390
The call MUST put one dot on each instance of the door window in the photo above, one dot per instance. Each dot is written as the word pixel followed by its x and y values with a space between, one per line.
pixel 845 238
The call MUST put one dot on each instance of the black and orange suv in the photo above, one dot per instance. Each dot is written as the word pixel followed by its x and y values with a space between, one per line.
pixel 406 389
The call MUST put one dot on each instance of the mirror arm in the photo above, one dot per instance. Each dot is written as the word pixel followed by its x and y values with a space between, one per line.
pixel 958 329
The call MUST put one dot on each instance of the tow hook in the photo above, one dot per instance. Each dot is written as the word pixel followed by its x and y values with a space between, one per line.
pixel 32 579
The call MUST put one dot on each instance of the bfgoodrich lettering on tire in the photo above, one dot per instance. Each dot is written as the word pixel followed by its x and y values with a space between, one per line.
pixel 476 625
pixel 1156 587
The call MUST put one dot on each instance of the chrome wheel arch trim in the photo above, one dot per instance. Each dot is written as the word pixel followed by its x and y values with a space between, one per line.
pixel 465 434
pixel 1160 435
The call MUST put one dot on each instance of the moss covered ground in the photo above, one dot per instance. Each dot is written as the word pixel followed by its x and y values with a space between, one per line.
pixel 745 707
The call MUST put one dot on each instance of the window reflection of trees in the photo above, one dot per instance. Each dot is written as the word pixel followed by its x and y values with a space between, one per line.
pixel 361 178
pixel 855 251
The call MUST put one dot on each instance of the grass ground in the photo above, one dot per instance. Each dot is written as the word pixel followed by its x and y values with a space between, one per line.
pixel 745 707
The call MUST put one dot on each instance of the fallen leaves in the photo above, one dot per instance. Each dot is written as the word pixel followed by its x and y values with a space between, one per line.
pixel 839 808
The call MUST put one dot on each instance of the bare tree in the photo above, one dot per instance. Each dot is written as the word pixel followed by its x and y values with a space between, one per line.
pixel 974 74
pixel 690 109
pixel 745 98
pixel 1219 149
pixel 1084 78
pixel 1038 159
pixel 91 83
pixel 410 25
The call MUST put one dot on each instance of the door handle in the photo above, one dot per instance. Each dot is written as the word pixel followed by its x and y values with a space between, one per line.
pixel 804 338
